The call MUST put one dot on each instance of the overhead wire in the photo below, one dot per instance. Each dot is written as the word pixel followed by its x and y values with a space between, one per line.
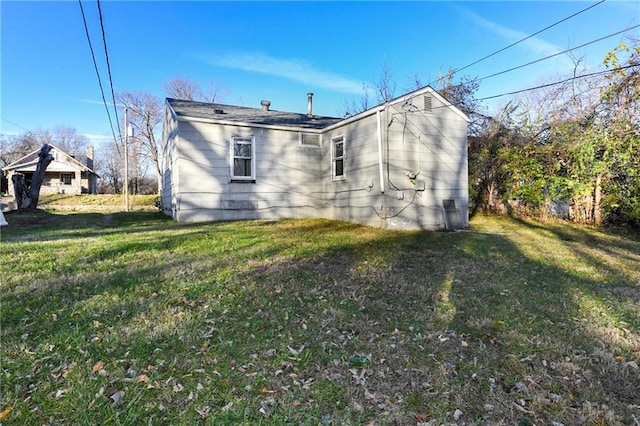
pixel 95 65
pixel 106 54
pixel 13 123
pixel 559 53
pixel 593 74
pixel 455 71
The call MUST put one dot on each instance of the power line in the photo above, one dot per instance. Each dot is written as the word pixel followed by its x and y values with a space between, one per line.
pixel 95 65
pixel 526 38
pixel 593 74
pixel 15 124
pixel 559 53
pixel 106 54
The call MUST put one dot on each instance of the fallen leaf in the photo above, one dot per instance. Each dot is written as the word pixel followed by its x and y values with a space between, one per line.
pixel 421 417
pixel 5 412
pixel 98 366
pixel 142 378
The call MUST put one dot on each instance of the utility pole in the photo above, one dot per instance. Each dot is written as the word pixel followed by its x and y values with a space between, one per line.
pixel 126 159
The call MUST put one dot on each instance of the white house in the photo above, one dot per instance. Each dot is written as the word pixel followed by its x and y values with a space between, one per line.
pixel 399 165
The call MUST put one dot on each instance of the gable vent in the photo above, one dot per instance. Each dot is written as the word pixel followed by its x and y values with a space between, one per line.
pixel 427 103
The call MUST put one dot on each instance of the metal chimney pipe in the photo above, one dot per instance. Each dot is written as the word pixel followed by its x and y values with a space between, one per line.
pixel 309 104
pixel 265 105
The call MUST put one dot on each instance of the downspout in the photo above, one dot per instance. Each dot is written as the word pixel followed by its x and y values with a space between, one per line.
pixel 380 152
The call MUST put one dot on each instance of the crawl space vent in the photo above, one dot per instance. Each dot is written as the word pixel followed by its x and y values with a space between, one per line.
pixel 451 215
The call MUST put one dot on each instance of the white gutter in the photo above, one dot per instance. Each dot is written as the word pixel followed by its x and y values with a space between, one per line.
pixel 380 151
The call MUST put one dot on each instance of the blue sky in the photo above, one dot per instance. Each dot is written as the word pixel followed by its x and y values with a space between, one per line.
pixel 279 51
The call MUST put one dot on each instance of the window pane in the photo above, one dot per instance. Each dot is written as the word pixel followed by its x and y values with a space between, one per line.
pixel 339 168
pixel 339 149
pixel 241 167
pixel 242 149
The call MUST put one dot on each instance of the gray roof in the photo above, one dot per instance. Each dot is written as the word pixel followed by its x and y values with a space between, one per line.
pixel 241 114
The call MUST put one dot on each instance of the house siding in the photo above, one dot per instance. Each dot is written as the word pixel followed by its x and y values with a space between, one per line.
pixel 402 163
pixel 287 178
pixel 431 144
pixel 170 171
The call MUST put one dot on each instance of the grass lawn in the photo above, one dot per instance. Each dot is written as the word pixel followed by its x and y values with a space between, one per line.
pixel 98 202
pixel 131 318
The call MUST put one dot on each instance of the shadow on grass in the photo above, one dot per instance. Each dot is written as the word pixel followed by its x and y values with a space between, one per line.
pixel 297 320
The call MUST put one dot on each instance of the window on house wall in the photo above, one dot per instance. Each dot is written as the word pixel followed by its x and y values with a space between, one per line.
pixel 338 157
pixel 66 178
pixel 243 159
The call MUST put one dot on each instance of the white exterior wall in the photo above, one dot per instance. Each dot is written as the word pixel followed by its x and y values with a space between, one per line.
pixel 296 182
pixel 432 145
pixel 170 170
pixel 357 197
pixel 287 182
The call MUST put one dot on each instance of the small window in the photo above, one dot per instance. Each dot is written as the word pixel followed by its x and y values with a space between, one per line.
pixel 242 158
pixel 66 178
pixel 338 157
pixel 310 140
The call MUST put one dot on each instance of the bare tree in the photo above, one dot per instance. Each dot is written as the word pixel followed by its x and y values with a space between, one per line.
pixel 354 105
pixel 385 85
pixel 462 95
pixel 182 88
pixel 415 83
pixel 189 90
pixel 215 92
pixel 384 88
pixel 68 139
pixel 145 113
pixel 15 147
pixel 110 167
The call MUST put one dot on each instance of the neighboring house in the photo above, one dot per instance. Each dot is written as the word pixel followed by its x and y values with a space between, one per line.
pixel 65 174
pixel 399 165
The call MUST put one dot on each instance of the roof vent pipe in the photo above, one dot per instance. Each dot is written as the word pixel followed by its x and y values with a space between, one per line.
pixel 265 105
pixel 309 104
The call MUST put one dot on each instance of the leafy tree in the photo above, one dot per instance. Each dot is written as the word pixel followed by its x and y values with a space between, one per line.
pixel 621 117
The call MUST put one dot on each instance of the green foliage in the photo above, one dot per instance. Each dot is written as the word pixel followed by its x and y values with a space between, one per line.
pixel 583 152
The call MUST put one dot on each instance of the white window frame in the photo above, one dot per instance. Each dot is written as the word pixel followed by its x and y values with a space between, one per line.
pixel 335 158
pixel 245 140
pixel 62 178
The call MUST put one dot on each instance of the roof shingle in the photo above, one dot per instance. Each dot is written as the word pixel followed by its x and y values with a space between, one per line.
pixel 212 111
